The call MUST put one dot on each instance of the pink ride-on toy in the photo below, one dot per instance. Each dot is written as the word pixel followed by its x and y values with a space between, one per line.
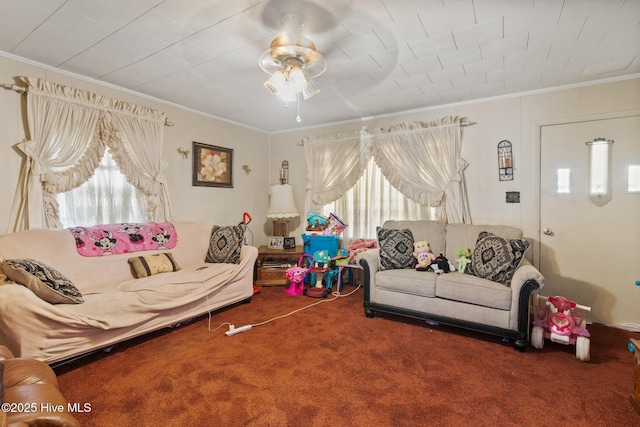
pixel 556 319
pixel 296 275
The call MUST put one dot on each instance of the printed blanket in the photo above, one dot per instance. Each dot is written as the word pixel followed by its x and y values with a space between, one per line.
pixel 111 239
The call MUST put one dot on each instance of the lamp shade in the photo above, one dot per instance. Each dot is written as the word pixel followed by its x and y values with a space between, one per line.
pixel 281 205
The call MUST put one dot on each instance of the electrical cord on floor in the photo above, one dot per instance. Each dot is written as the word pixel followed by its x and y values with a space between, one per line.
pixel 233 330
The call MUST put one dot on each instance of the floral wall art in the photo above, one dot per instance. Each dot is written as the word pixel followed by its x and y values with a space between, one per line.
pixel 212 166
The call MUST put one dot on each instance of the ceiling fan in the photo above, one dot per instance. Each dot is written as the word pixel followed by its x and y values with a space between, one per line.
pixel 292 60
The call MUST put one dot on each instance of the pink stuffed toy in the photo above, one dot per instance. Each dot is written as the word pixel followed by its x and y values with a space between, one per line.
pixel 422 253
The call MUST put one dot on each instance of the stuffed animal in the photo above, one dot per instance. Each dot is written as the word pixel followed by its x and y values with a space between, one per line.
pixel 464 255
pixel 422 253
pixel 442 265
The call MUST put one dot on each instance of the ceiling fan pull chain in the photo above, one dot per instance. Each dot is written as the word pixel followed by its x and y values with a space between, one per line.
pixel 298 119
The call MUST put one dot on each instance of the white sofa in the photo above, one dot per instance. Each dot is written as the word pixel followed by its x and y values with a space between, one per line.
pixel 455 299
pixel 116 305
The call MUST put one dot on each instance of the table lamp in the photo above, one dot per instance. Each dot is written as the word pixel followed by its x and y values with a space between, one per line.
pixel 282 208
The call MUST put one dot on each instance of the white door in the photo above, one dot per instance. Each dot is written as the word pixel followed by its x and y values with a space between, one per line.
pixel 591 254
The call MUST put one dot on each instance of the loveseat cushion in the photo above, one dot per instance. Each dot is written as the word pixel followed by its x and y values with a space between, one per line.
pixel 407 281
pixel 396 248
pixel 43 280
pixel 495 258
pixel 473 290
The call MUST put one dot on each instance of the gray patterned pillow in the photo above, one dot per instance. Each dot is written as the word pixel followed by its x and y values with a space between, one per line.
pixel 495 258
pixel 396 248
pixel 225 244
pixel 44 281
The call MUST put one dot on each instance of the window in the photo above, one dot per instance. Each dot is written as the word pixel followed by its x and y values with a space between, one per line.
pixel 633 179
pixel 564 181
pixel 600 171
pixel 371 202
pixel 105 199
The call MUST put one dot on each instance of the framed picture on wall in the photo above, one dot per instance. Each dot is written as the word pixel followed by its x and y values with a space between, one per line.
pixel 212 166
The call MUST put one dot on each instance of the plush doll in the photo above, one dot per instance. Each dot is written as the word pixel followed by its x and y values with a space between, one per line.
pixel 464 258
pixel 422 253
pixel 442 265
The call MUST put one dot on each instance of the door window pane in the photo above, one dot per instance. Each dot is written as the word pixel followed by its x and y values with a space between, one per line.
pixel 564 181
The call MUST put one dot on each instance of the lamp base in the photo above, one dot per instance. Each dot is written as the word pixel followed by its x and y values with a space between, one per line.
pixel 281 227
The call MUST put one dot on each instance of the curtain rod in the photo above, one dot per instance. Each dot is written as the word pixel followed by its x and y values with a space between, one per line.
pixel 21 89
pixel 464 124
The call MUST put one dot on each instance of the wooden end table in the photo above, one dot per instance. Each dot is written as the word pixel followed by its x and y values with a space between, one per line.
pixel 272 264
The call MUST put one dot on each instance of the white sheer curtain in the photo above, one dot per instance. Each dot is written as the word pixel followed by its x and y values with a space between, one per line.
pixel 105 198
pixel 371 202
pixel 69 130
pixel 418 174
pixel 424 162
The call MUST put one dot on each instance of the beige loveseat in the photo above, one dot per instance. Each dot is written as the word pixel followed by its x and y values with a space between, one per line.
pixel 456 299
pixel 116 305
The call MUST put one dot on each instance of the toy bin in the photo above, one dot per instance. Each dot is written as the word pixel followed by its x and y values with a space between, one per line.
pixel 312 244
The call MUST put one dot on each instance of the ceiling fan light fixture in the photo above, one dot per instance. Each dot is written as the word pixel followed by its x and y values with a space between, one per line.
pixel 292 62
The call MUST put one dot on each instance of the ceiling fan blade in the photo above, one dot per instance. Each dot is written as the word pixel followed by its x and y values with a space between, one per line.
pixel 298 16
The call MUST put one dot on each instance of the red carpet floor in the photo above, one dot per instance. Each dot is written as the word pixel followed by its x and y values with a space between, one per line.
pixel 330 366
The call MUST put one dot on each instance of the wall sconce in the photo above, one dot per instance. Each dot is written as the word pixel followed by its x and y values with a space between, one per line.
pixel 183 152
pixel 505 161
pixel 284 172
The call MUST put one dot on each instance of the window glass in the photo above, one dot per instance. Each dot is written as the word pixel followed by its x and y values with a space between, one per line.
pixel 106 198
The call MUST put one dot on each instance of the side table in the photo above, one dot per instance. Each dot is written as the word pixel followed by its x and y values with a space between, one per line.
pixel 272 264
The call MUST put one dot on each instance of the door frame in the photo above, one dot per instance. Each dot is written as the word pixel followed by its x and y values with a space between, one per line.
pixel 537 138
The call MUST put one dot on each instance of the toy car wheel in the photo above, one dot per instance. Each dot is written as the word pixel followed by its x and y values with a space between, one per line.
pixel 582 349
pixel 537 337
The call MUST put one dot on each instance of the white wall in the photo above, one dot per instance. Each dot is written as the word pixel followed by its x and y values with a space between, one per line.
pixel 516 119
pixel 222 206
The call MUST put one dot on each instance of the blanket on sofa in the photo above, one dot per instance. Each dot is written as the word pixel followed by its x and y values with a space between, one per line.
pixel 112 239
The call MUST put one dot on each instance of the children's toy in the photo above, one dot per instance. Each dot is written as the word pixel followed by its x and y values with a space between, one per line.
pixel 464 258
pixel 321 265
pixel 335 225
pixel 316 222
pixel 296 275
pixel 441 265
pixel 556 319
pixel 422 253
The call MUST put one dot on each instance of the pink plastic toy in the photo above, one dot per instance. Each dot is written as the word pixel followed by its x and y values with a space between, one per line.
pixel 296 275
pixel 556 319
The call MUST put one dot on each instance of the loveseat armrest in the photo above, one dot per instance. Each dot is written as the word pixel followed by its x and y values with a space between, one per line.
pixel 369 260
pixel 526 280
pixel 524 272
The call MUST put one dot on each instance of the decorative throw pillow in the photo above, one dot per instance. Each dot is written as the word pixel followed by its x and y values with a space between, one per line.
pixel 495 258
pixel 44 281
pixel 396 248
pixel 149 265
pixel 225 244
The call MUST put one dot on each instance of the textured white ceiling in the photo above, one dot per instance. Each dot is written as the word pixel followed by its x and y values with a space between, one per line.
pixel 384 56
